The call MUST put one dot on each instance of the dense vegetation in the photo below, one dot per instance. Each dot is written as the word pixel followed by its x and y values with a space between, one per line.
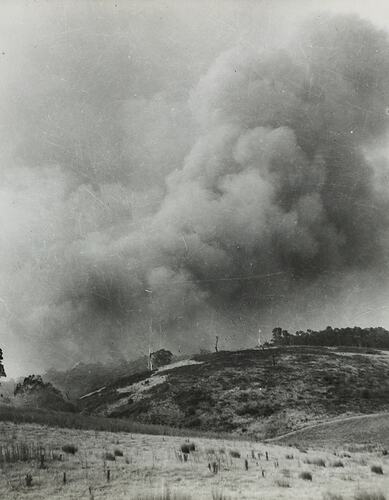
pixel 69 420
pixel 356 336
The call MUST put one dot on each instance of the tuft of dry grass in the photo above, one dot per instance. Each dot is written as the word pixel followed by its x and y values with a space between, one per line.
pixel 282 483
pixel 332 496
pixel 219 495
pixel 166 495
pixel 285 472
pixel 337 463
pixel 21 452
pixel 315 461
pixel 368 495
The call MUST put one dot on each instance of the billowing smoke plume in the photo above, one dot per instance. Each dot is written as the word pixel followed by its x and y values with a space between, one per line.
pixel 260 205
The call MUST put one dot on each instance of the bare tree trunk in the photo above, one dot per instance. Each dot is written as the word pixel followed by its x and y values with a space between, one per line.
pixel 150 358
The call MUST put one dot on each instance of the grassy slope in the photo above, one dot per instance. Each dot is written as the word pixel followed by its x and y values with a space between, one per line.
pixel 243 391
pixel 361 430
pixel 151 464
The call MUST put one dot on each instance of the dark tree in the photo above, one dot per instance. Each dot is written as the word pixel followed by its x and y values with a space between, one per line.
pixel 161 358
pixel 277 336
pixel 2 371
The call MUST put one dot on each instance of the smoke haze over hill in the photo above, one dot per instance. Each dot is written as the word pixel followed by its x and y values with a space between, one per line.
pixel 157 186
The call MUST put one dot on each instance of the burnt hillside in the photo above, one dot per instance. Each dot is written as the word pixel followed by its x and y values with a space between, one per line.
pixel 258 392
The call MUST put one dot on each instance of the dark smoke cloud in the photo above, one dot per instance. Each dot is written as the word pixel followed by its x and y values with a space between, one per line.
pixel 169 217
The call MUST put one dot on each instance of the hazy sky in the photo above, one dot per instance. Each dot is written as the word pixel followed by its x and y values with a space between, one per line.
pixel 175 170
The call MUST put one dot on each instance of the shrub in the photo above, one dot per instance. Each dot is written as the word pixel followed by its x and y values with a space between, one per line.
pixel 377 469
pixel 118 453
pixel 365 495
pixel 235 454
pixel 307 476
pixel 70 448
pixel 338 463
pixel 188 447
pixel 108 456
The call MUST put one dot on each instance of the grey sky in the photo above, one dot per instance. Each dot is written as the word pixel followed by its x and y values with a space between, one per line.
pixel 111 114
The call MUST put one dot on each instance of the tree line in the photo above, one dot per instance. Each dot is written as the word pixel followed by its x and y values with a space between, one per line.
pixel 356 336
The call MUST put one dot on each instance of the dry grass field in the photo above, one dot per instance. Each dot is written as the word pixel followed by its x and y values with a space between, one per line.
pixel 137 466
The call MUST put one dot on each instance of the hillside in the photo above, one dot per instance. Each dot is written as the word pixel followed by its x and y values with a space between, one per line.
pixel 261 393
pixel 86 377
pixel 360 430
pixel 34 393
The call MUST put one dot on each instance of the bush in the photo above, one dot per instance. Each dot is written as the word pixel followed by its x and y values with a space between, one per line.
pixel 338 463
pixel 108 456
pixel 235 454
pixel 307 476
pixel 118 453
pixel 377 469
pixel 70 448
pixel 188 447
pixel 365 495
